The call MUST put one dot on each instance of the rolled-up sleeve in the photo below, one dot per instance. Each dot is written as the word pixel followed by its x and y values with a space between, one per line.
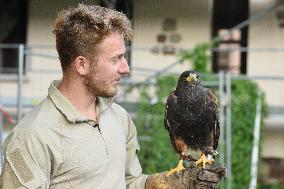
pixel 134 177
pixel 26 162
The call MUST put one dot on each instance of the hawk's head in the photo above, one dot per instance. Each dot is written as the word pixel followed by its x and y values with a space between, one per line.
pixel 188 78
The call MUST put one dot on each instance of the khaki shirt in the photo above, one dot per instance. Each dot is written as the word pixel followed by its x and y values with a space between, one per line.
pixel 55 147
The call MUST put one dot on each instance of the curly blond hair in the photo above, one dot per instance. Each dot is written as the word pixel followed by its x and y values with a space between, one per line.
pixel 79 29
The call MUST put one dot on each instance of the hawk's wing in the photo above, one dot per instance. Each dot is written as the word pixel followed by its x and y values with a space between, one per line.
pixel 171 119
pixel 213 108
pixel 171 106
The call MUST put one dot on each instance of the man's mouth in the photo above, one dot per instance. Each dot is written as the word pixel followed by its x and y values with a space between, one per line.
pixel 116 81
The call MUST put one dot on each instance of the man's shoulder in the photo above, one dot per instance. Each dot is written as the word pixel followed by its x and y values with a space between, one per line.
pixel 44 114
pixel 38 121
pixel 37 126
pixel 118 108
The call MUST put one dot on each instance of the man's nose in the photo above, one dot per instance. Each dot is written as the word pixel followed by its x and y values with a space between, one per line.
pixel 123 68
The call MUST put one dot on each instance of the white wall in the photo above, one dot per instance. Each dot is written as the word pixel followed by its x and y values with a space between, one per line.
pixel 273 143
pixel 193 25
pixel 265 33
pixel 41 17
pixel 40 25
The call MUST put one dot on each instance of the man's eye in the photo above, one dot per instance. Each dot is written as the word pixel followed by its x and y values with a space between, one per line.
pixel 115 60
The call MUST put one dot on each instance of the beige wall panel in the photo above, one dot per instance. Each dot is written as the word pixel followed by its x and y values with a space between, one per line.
pixel 43 70
pixel 273 144
pixel 193 25
pixel 265 33
pixel 41 17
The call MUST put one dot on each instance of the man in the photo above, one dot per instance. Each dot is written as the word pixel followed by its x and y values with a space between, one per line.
pixel 78 137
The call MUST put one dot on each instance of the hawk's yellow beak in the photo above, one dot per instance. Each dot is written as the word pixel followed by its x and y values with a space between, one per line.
pixel 191 78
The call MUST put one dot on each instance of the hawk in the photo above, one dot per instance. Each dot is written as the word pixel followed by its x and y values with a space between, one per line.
pixel 191 118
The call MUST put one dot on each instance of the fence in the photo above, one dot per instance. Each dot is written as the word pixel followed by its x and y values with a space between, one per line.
pixel 38 66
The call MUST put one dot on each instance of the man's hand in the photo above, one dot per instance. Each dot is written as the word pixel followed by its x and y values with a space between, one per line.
pixel 190 178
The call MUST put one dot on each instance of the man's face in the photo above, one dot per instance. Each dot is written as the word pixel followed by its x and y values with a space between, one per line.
pixel 104 75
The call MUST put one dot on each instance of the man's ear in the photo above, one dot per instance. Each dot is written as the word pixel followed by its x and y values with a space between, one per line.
pixel 82 65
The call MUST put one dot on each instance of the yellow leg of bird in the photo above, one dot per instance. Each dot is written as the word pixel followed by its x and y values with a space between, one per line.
pixel 179 168
pixel 203 160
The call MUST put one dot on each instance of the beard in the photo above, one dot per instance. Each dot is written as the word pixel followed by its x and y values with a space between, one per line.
pixel 97 86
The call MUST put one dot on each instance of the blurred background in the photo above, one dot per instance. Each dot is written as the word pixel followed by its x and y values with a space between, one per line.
pixel 237 46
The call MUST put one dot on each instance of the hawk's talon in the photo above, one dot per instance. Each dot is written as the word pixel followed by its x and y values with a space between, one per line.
pixel 178 169
pixel 203 160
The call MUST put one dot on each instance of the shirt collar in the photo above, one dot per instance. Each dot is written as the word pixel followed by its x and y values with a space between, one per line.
pixel 67 109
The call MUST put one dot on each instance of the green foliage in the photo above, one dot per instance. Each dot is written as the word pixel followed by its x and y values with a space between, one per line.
pixel 156 153
pixel 199 58
pixel 244 98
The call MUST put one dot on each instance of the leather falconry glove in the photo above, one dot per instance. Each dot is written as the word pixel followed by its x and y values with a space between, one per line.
pixel 193 177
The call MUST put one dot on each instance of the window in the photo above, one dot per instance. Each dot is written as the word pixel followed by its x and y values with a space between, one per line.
pixel 227 14
pixel 229 57
pixel 13 29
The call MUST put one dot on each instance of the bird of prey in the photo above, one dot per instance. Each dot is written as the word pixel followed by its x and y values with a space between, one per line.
pixel 191 118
